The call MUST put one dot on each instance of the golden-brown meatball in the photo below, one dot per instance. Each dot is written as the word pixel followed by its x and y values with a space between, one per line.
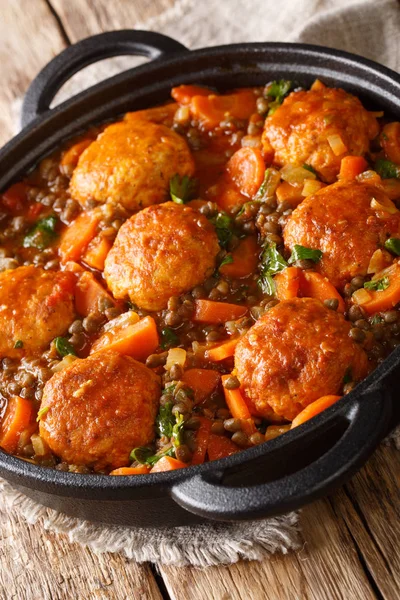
pixel 99 409
pixel 160 252
pixel 340 221
pixel 299 129
pixel 297 352
pixel 35 307
pixel 131 163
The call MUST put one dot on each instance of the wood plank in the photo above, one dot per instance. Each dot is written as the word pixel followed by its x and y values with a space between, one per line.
pixel 29 38
pixel 327 567
pixel 37 564
pixel 82 18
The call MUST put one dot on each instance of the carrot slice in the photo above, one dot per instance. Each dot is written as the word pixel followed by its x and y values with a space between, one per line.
pixel 222 351
pixel 142 470
pixel 88 293
pixel 314 409
pixel 238 407
pixel 211 110
pixel 71 156
pixel 380 300
pixel 167 463
pixel 286 192
pixel 96 252
pixel 351 166
pixel 247 169
pixel 245 259
pixel 202 381
pixel 183 94
pixel 220 446
pixel 314 285
pixel 16 418
pixel 208 311
pixel 77 236
pixel 137 340
pixel 287 283
pixel 202 439
pixel 390 141
pixel 226 195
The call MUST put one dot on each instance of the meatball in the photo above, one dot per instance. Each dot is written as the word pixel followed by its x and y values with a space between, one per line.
pixel 299 129
pixel 160 252
pixel 98 409
pixel 131 163
pixel 297 352
pixel 35 307
pixel 340 221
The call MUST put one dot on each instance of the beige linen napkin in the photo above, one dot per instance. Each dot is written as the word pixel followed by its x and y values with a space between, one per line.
pixel 368 27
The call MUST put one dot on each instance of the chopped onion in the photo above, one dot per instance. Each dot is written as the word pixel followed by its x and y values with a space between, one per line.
pixel 65 362
pixel 370 176
pixel 176 356
pixel 39 445
pixel 361 296
pixel 337 145
pixel 122 321
pixel 182 114
pixel 379 260
pixel 388 208
pixel 311 186
pixel 294 175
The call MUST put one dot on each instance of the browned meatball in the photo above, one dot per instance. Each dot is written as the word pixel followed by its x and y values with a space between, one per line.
pixel 340 221
pixel 131 163
pixel 299 129
pixel 297 352
pixel 160 252
pixel 99 409
pixel 35 307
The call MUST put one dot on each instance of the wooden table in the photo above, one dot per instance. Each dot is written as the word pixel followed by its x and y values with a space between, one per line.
pixel 351 540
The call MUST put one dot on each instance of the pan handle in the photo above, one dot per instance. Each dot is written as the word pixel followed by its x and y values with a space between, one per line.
pixel 90 50
pixel 366 421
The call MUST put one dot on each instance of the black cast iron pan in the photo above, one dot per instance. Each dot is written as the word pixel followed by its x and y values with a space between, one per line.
pixel 269 479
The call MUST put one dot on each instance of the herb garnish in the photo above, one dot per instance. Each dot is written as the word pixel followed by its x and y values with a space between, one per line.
pixel 310 168
pixel 303 253
pixel 272 262
pixel 393 245
pixel 387 169
pixel 64 347
pixel 377 285
pixel 168 338
pixel 167 425
pixel 42 412
pixel 277 90
pixel 227 260
pixel 19 344
pixel 42 234
pixel 223 227
pixel 182 189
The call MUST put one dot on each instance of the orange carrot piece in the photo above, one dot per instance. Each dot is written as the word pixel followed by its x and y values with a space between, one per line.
pixel 374 301
pixel 220 446
pixel 390 141
pixel 245 259
pixel 142 470
pixel 16 418
pixel 167 463
pixel 96 252
pixel 137 340
pixel 314 285
pixel 226 195
pixel 351 166
pixel 183 94
pixel 211 110
pixel 274 431
pixel 286 192
pixel 208 311
pixel 77 236
pixel 314 409
pixel 202 381
pixel 287 283
pixel 71 156
pixel 238 407
pixel 88 292
pixel 222 351
pixel 246 168
pixel 202 439
pixel 15 197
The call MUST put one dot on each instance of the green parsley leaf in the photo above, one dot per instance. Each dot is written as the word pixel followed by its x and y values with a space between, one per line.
pixel 182 189
pixel 168 338
pixel 42 234
pixel 19 344
pixel 276 91
pixel 177 431
pixel 223 227
pixel 393 245
pixel 272 262
pixel 64 347
pixel 310 168
pixel 42 412
pixel 227 260
pixel 387 169
pixel 378 285
pixel 348 376
pixel 145 456
pixel 165 420
pixel 303 253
